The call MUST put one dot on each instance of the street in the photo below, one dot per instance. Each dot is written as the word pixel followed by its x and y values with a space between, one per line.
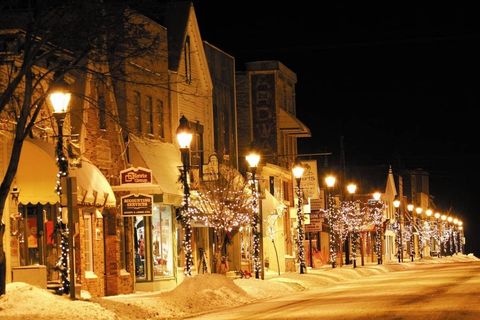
pixel 442 291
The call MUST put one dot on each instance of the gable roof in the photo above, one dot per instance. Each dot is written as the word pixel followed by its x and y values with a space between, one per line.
pixel 175 19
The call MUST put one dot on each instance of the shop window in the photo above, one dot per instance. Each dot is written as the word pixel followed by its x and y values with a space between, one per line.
pixel 37 239
pixel 88 242
pixel 162 241
pixel 139 243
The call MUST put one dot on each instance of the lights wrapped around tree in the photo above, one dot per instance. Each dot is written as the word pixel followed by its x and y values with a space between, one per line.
pixel 354 221
pixel 224 204
pixel 377 208
pixel 333 222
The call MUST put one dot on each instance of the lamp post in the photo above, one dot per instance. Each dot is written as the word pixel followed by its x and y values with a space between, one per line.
pixel 330 182
pixel 253 158
pixel 351 188
pixel 396 205
pixel 184 138
pixel 298 170
pixel 378 227
pixel 412 237
pixel 59 97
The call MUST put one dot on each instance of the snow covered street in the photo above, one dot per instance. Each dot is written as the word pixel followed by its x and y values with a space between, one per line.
pixel 428 291
pixel 446 288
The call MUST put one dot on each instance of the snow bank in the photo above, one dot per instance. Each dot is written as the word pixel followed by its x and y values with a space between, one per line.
pixel 194 295
pixel 29 302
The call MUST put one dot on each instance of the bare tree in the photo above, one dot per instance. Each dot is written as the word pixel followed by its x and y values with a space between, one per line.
pixel 224 204
pixel 43 39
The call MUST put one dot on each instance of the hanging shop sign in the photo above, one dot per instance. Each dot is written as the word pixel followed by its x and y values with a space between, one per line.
pixel 135 176
pixel 137 205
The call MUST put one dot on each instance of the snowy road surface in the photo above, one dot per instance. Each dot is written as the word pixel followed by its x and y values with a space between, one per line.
pixel 447 291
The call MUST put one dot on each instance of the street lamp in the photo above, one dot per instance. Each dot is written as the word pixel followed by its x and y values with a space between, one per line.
pixel 410 208
pixel 298 170
pixel 253 158
pixel 184 138
pixel 396 205
pixel 330 182
pixel 59 97
pixel 351 188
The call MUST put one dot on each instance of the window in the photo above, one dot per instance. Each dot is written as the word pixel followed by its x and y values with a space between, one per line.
pixel 196 146
pixel 139 242
pixel 88 242
pixel 102 120
pixel 149 110
pixel 138 110
pixel 153 243
pixel 161 125
pixel 162 241
pixel 188 63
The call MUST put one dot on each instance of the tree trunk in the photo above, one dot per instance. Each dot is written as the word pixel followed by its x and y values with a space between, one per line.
pixel 4 192
pixel 3 262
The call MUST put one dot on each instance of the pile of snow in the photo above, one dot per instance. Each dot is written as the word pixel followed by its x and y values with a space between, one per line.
pixel 29 302
pixel 194 295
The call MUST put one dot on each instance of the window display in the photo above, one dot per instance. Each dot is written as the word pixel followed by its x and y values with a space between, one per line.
pixel 139 241
pixel 162 241
pixel 153 239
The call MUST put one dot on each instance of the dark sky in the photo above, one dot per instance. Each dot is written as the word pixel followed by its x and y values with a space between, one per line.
pixel 399 83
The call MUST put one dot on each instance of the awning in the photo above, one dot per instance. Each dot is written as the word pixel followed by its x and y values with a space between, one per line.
pixel 164 160
pixel 37 175
pixel 291 125
pixel 92 187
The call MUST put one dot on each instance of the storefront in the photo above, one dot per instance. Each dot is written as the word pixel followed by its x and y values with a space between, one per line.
pixel 33 238
pixel 152 236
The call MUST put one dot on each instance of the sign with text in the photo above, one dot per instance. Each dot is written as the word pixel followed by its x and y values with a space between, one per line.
pixel 263 111
pixel 309 181
pixel 135 175
pixel 137 205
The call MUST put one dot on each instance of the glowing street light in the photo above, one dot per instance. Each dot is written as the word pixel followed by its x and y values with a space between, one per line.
pixel 184 138
pixel 253 159
pixel 298 170
pixel 351 188
pixel 59 97
pixel 332 220
pixel 411 222
pixel 396 205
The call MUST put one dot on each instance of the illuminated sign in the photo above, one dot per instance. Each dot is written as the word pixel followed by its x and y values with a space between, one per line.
pixel 135 175
pixel 137 205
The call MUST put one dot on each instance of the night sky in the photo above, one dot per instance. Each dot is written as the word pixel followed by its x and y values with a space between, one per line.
pixel 399 83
